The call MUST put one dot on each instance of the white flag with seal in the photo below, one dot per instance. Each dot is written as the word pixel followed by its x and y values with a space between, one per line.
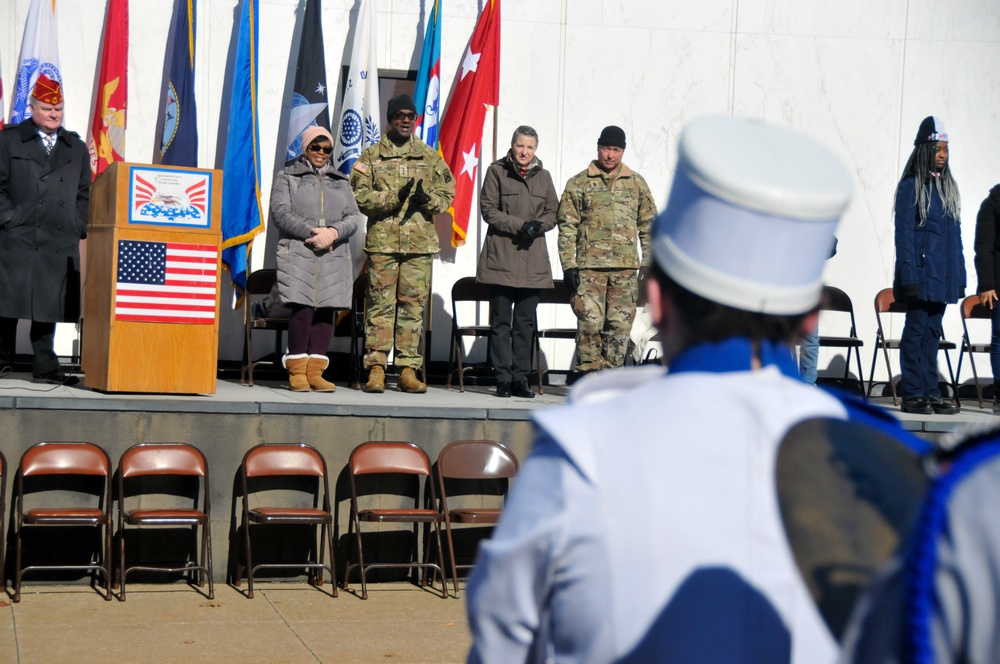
pixel 39 55
pixel 359 125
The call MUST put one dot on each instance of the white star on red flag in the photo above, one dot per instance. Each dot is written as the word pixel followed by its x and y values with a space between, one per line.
pixel 470 63
pixel 471 162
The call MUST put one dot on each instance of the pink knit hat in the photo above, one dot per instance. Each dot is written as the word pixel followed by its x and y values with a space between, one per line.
pixel 311 133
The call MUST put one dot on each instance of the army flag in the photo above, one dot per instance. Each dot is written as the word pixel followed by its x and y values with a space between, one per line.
pixel 359 125
pixel 106 141
pixel 427 96
pixel 462 127
pixel 310 105
pixel 179 140
pixel 39 55
pixel 359 117
pixel 241 215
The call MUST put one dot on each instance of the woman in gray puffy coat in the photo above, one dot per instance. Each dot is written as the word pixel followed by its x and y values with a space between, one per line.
pixel 313 207
pixel 519 205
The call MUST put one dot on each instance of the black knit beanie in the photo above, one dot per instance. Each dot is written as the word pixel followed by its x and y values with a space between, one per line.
pixel 612 136
pixel 400 103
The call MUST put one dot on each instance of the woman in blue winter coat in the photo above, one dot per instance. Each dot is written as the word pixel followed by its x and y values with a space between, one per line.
pixel 930 267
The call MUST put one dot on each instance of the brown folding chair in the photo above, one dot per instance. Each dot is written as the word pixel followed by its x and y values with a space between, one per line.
pixel 165 469
pixel 59 468
pixel 481 468
pixel 972 309
pixel 269 468
pixel 559 294
pixel 408 465
pixel 466 289
pixel 885 303
pixel 257 316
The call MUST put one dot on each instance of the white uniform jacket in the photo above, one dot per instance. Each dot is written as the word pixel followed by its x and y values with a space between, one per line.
pixel 645 527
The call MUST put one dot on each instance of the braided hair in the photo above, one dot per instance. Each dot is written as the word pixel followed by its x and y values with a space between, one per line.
pixel 919 166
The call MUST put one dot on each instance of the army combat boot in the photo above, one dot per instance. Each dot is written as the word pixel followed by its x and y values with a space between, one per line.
pixel 408 382
pixel 376 379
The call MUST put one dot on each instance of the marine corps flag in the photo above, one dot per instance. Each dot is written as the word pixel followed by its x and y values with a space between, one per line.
pixel 241 216
pixel 462 128
pixel 179 141
pixel 309 96
pixel 106 141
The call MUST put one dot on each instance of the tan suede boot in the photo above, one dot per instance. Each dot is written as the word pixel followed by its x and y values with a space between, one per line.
pixel 408 382
pixel 296 365
pixel 314 373
pixel 376 379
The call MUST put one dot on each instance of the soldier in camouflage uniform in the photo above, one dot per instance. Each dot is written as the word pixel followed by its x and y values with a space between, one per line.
pixel 604 211
pixel 400 184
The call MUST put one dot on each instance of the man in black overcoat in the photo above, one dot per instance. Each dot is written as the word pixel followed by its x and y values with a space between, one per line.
pixel 44 202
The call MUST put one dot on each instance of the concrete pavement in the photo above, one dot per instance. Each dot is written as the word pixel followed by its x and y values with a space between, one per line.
pixel 284 623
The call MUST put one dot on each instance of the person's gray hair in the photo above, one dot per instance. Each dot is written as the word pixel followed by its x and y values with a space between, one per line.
pixel 524 130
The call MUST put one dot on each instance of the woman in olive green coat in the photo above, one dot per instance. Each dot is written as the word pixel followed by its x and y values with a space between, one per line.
pixel 519 205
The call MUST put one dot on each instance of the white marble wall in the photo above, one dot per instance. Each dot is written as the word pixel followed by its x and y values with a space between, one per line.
pixel 857 75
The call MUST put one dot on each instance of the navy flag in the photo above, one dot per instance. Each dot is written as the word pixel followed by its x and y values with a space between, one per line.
pixel 309 96
pixel 179 141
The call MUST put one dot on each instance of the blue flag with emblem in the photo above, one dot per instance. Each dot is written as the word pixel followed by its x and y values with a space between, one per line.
pixel 179 140
pixel 241 214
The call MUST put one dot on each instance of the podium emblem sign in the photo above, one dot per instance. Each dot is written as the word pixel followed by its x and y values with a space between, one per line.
pixel 169 197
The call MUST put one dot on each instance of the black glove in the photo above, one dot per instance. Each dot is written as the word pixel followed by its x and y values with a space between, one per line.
pixel 572 278
pixel 909 292
pixel 420 197
pixel 532 229
pixel 404 191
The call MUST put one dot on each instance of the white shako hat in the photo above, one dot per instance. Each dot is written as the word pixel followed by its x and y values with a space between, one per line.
pixel 751 215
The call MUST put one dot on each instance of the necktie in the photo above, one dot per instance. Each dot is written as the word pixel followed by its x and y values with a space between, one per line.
pixel 50 142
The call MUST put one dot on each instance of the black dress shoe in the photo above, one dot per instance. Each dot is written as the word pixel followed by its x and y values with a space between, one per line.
pixel 56 377
pixel 917 406
pixel 942 407
pixel 503 390
pixel 522 390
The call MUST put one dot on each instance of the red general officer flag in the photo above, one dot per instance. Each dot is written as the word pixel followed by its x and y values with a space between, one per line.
pixel 462 128
pixel 106 141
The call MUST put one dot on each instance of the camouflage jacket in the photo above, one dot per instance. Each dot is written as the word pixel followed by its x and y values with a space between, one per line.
pixel 379 174
pixel 601 216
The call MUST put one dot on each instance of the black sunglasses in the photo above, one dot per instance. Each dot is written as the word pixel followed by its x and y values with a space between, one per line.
pixel 404 115
pixel 325 149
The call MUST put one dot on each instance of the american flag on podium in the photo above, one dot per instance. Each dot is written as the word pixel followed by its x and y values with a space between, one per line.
pixel 166 282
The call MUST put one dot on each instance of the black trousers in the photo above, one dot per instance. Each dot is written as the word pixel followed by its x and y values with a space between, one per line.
pixel 42 335
pixel 512 327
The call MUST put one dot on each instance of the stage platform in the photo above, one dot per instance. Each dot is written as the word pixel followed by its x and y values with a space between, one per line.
pixel 226 424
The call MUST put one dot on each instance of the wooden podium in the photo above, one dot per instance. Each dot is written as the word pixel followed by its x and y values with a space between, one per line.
pixel 151 293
